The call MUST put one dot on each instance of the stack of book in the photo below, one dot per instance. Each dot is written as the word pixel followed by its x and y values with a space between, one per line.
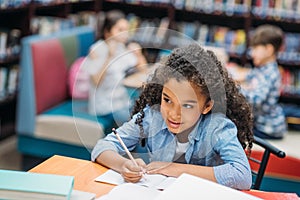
pixel 19 185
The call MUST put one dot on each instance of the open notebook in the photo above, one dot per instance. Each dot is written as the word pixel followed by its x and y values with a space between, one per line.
pixel 184 187
pixel 156 181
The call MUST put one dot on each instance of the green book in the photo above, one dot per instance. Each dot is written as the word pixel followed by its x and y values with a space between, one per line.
pixel 19 185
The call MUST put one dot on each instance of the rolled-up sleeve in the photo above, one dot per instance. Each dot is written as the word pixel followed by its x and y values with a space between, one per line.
pixel 130 134
pixel 233 175
pixel 235 172
pixel 102 145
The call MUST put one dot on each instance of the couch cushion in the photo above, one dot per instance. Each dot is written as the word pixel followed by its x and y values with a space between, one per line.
pixel 50 74
pixel 76 108
pixel 70 46
pixel 71 123
pixel 69 130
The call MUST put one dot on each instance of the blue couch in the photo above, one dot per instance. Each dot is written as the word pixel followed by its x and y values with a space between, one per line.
pixel 48 121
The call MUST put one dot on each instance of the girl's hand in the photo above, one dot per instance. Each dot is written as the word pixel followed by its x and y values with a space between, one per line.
pixel 158 167
pixel 131 172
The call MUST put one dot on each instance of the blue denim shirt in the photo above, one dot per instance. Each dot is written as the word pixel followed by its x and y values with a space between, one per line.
pixel 213 142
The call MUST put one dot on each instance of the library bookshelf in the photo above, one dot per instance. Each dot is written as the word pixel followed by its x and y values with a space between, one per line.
pixel 216 23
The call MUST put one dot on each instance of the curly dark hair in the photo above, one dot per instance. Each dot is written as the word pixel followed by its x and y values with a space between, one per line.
pixel 203 69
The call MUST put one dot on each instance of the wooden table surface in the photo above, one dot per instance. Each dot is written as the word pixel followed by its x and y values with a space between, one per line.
pixel 85 172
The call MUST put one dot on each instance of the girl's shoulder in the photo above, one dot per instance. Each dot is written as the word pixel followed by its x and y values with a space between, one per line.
pixel 149 112
pixel 218 126
pixel 216 120
pixel 98 45
pixel 152 111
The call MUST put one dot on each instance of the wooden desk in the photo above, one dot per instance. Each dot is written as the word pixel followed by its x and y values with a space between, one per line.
pixel 85 172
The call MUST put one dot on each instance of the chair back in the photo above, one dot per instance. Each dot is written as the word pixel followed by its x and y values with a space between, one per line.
pixel 258 165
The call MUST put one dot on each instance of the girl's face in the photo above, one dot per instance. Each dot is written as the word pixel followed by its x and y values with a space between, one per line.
pixel 119 32
pixel 181 106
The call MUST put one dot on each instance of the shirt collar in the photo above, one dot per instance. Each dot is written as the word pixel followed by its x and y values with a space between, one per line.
pixel 194 133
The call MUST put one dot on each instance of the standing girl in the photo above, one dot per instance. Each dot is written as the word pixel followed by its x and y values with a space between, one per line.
pixel 193 120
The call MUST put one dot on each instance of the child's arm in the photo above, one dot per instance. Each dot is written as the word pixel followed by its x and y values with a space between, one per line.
pixel 176 169
pixel 98 77
pixel 137 50
pixel 124 166
pixel 237 72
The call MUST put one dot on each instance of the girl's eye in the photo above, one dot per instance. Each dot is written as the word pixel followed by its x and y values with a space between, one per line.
pixel 167 100
pixel 187 106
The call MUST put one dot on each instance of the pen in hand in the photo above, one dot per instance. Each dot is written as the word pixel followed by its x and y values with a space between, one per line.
pixel 125 148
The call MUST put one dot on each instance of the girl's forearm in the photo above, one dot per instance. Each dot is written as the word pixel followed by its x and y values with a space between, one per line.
pixel 176 169
pixel 111 159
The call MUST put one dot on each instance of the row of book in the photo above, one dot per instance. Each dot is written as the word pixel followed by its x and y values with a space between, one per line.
pixel 8 81
pixel 228 7
pixel 275 9
pixel 13 3
pixel 45 25
pixel 155 33
pixel 17 3
pixel 234 41
pixel 291 48
pixel 56 1
pixel 290 81
pixel 271 9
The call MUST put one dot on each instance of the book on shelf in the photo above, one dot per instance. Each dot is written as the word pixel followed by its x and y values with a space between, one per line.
pixel 83 18
pixel 290 81
pixel 14 42
pixel 13 4
pixel 189 5
pixel 162 30
pixel 3 44
pixel 19 185
pixel 278 10
pixel 3 81
pixel 202 34
pixel 45 25
pixel 178 4
pixel 12 80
